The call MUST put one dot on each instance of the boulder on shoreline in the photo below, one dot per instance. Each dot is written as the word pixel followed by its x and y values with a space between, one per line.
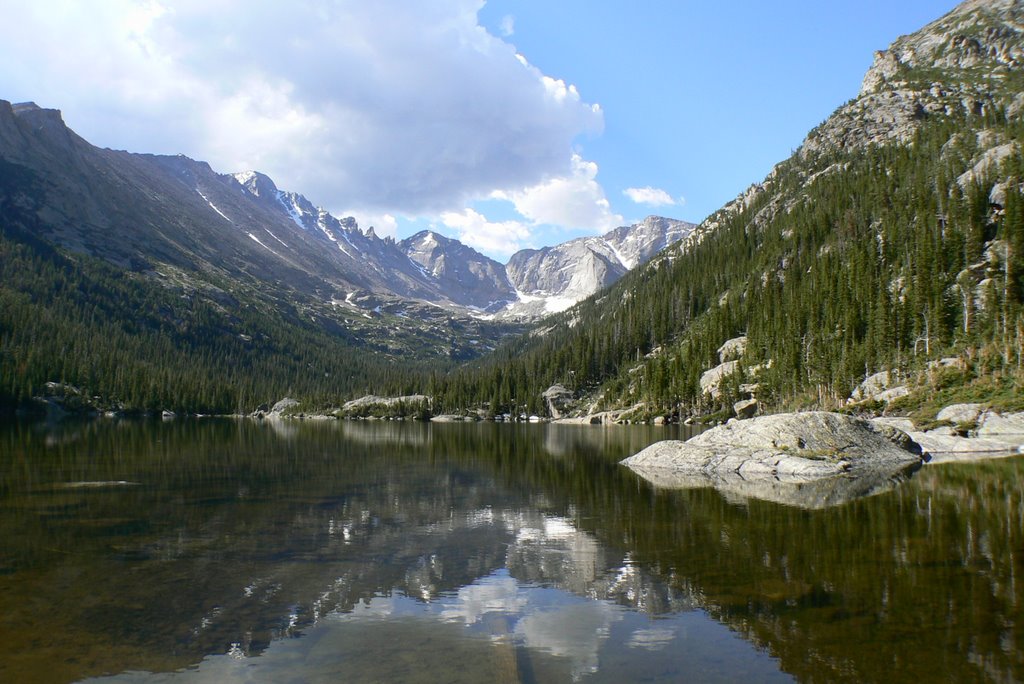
pixel 777 457
pixel 453 418
pixel 966 432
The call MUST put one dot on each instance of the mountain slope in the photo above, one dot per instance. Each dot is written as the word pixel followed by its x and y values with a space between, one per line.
pixel 466 276
pixel 892 239
pixel 151 281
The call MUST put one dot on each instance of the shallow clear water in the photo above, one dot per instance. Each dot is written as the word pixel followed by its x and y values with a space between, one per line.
pixel 236 551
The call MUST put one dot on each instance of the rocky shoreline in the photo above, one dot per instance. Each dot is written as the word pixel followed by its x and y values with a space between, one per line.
pixel 817 459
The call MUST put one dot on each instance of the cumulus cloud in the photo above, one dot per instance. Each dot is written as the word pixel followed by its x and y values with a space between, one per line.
pixel 575 201
pixel 391 106
pixel 655 197
pixel 497 238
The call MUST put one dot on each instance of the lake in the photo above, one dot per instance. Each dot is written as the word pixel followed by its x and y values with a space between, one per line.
pixel 212 550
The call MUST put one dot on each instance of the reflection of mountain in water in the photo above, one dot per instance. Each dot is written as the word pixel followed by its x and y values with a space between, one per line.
pixel 240 534
pixel 235 538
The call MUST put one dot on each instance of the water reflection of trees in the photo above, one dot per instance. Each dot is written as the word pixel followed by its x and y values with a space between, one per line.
pixel 234 538
pixel 921 581
pixel 233 533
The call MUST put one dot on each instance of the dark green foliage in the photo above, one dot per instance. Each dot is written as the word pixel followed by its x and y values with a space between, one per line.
pixel 137 345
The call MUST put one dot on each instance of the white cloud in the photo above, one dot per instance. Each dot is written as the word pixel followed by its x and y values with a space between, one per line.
pixel 575 201
pixel 656 197
pixel 508 25
pixel 395 105
pixel 498 239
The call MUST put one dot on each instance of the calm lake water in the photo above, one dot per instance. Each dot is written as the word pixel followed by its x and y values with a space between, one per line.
pixel 236 551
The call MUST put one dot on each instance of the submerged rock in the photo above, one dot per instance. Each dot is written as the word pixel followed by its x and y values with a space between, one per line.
pixel 776 457
pixel 813 495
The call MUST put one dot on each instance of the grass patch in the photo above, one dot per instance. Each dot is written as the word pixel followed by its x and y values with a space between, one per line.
pixel 1003 393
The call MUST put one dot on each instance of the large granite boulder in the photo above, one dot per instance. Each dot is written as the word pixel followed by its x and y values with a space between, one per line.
pixel 558 399
pixel 881 386
pixel 732 350
pixel 961 413
pixel 711 380
pixel 746 408
pixel 284 406
pixel 1007 427
pixel 775 457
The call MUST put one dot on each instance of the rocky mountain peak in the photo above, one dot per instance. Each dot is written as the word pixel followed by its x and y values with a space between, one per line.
pixel 49 122
pixel 982 35
pixel 554 278
pixel 256 183
pixel 30 110
pixel 965 63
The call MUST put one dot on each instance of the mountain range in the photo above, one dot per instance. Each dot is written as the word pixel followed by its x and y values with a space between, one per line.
pixel 889 242
pixel 152 213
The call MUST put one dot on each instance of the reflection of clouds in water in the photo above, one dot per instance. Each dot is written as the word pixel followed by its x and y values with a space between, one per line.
pixel 377 607
pixel 573 631
pixel 495 594
pixel 651 639
pixel 552 549
pixel 558 624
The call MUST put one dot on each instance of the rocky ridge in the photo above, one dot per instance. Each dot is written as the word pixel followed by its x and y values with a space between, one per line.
pixel 968 61
pixel 964 61
pixel 181 221
pixel 554 278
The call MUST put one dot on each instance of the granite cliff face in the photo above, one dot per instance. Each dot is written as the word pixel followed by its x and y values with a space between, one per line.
pixel 967 61
pixel 554 278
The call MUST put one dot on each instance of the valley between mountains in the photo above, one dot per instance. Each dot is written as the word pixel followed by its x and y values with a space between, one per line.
pixel 878 269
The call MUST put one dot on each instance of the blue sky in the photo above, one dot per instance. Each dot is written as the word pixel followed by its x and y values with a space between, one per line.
pixel 510 124
pixel 701 99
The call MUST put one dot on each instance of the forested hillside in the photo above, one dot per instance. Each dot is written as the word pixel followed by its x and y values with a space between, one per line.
pixel 892 239
pixel 844 264
pixel 102 338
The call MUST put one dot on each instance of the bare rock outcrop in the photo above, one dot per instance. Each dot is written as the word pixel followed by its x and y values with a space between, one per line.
pixel 733 349
pixel 762 456
pixel 557 399
pixel 711 380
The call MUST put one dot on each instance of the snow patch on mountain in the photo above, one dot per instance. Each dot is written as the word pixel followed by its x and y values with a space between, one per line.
pixel 293 209
pixel 440 270
pixel 213 206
